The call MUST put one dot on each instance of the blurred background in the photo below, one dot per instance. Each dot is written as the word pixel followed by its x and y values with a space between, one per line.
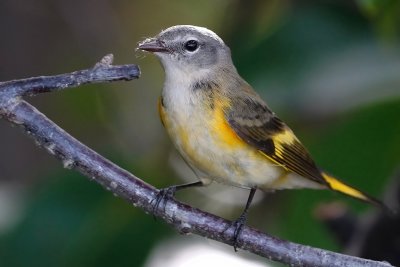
pixel 330 69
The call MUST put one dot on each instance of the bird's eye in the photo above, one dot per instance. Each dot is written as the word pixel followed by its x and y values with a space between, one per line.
pixel 191 45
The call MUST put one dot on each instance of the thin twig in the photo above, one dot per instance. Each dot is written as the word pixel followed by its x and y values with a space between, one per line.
pixel 186 219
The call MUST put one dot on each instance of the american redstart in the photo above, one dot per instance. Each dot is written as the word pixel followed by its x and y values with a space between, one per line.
pixel 222 128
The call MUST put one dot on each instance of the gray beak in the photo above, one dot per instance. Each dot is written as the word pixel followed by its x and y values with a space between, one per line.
pixel 153 45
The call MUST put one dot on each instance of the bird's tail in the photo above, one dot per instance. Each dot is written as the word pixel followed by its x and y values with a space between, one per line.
pixel 343 188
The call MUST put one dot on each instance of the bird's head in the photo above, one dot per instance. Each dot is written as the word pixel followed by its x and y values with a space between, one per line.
pixel 188 49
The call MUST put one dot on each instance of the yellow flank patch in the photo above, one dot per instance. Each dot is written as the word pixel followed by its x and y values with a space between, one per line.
pixel 226 135
pixel 343 188
pixel 161 111
pixel 183 136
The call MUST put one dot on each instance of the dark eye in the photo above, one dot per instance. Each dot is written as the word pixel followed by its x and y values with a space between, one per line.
pixel 191 45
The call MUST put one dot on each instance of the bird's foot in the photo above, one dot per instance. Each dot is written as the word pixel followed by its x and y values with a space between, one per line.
pixel 162 196
pixel 238 227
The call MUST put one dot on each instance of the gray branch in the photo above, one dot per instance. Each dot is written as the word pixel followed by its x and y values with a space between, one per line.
pixel 186 219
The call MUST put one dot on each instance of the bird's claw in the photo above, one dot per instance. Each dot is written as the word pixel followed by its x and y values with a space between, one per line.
pixel 161 197
pixel 238 225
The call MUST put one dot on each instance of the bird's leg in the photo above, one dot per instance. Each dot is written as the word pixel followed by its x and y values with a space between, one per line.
pixel 240 222
pixel 168 192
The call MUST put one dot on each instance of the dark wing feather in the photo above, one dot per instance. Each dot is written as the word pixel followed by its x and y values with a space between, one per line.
pixel 258 126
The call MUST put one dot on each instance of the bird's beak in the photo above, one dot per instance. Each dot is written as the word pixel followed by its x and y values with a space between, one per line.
pixel 153 45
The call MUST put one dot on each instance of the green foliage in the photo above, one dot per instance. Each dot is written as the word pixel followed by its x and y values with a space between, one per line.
pixel 385 15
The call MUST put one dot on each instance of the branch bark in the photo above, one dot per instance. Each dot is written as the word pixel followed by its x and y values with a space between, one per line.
pixel 184 218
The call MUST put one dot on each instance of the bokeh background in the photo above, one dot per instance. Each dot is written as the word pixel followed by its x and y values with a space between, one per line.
pixel 331 69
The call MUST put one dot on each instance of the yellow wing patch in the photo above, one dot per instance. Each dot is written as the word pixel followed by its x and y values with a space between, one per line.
pixel 286 137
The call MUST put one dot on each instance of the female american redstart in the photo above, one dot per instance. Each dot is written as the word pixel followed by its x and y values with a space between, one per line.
pixel 222 128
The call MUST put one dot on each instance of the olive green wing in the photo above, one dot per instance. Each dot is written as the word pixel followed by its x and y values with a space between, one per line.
pixel 258 126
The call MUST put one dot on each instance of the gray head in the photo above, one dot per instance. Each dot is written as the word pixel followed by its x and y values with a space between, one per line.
pixel 188 48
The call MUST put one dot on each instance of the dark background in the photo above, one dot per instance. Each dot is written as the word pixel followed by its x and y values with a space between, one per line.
pixel 331 69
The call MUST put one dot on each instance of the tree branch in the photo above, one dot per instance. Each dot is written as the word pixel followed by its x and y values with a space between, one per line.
pixel 186 219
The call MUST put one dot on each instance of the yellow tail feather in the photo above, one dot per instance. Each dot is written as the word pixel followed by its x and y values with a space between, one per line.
pixel 343 188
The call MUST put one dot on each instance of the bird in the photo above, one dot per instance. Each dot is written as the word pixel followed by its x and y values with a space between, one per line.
pixel 223 129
